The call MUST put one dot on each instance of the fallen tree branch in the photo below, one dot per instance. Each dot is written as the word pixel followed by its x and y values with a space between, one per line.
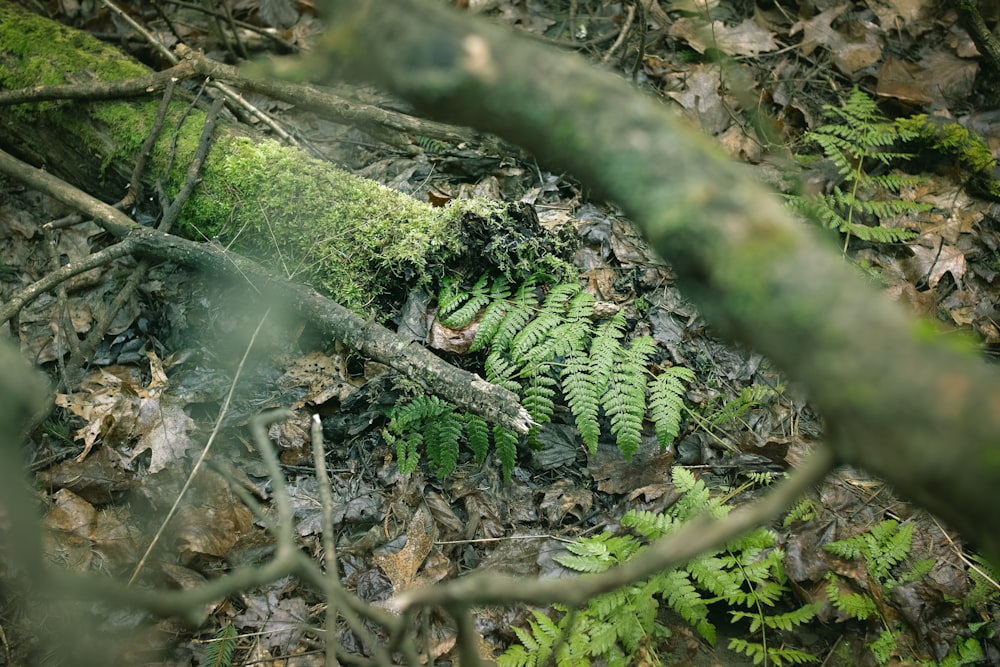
pixel 690 540
pixel 924 417
pixel 464 389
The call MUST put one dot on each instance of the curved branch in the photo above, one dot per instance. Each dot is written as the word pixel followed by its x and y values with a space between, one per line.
pixel 924 417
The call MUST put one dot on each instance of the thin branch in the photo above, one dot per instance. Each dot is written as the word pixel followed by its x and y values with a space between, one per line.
pixel 690 540
pixel 467 390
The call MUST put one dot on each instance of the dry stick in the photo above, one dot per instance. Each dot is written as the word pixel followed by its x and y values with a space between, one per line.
pixel 332 107
pixel 169 216
pixel 468 652
pixel 351 608
pixel 134 193
pixel 329 543
pixel 467 390
pixel 223 411
pixel 10 308
pixel 626 27
pixel 263 32
pixel 231 95
pixel 691 539
pixel 174 210
pixel 99 90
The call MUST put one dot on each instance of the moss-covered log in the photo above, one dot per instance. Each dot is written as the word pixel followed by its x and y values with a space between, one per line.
pixel 352 239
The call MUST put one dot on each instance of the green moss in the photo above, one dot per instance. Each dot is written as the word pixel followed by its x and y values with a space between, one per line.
pixel 349 237
pixel 953 140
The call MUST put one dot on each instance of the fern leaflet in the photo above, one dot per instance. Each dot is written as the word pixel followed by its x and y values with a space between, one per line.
pixel 219 650
pixel 666 402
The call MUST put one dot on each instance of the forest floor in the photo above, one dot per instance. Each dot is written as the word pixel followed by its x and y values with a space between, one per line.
pixel 763 79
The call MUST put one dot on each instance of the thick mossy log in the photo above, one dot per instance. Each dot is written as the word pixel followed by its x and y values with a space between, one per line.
pixel 351 238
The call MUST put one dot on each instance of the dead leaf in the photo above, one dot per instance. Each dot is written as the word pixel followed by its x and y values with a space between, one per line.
pixel 280 622
pixel 701 100
pixel 402 566
pixel 744 39
pixel 853 45
pixel 564 499
pixel 931 264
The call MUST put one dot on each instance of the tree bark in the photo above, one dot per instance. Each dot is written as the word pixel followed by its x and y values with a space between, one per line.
pixel 925 417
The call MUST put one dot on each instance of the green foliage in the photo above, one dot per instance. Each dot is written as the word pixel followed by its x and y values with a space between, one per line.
pixel 959 144
pixel 219 650
pixel 428 424
pixel 665 399
pixel 545 350
pixel 542 349
pixel 745 576
pixel 751 396
pixel 859 142
pixel 983 578
pixel 883 547
pixel 804 510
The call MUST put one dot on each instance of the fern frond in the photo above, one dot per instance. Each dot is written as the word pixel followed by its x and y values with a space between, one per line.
pixel 441 440
pixel 494 314
pixel 521 308
pixel 505 442
pixel 984 577
pixel 683 597
pixel 884 647
pixel 650 525
pixel 804 510
pixel 549 316
pixel 778 656
pixel 666 402
pixel 459 308
pixel 219 650
pixel 538 395
pixel 516 655
pixel 711 575
pixel 855 605
pixel 597 553
pixel 478 434
pixel 625 401
pixel 500 371
pixel 583 396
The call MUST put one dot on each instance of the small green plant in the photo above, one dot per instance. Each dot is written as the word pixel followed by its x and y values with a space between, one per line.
pixel 219 650
pixel 544 350
pixel 750 397
pixel 860 142
pixel 883 549
pixel 984 578
pixel 430 425
pixel 746 576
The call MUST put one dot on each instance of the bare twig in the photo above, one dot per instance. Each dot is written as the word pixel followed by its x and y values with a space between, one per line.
pixel 466 390
pixel 223 411
pixel 691 539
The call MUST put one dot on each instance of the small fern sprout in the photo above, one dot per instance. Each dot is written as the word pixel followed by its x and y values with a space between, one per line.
pixel 219 650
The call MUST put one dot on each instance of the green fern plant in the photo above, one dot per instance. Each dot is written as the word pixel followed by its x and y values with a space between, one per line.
pixel 746 576
pixel 540 350
pixel 429 425
pixel 884 548
pixel 219 650
pixel 984 577
pixel 860 141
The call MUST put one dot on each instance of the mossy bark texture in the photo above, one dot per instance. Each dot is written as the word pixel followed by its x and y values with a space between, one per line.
pixel 925 417
pixel 352 239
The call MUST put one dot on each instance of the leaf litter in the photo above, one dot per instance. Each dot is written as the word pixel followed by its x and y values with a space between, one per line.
pixel 138 422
